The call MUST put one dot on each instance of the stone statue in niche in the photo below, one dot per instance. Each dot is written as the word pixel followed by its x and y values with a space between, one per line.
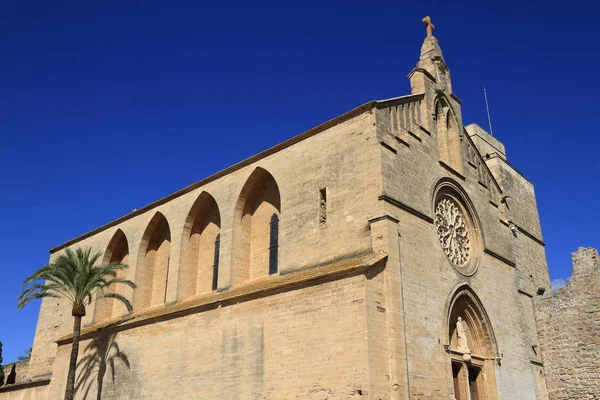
pixel 462 343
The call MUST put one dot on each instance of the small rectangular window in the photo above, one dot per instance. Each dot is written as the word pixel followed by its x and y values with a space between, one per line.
pixel 215 278
pixel 323 206
pixel 273 244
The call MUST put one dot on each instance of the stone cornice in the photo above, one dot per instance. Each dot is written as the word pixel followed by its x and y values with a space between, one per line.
pixel 452 170
pixel 249 290
pixel 424 71
pixel 383 217
pixel 526 233
pixel 399 204
pixel 501 258
pixel 400 100
pixel 31 382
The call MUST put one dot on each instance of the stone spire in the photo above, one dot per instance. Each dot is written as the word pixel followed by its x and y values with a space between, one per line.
pixel 431 63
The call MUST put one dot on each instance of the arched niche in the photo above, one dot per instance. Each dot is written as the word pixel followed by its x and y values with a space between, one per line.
pixel 472 348
pixel 254 227
pixel 153 264
pixel 117 251
pixel 448 133
pixel 198 272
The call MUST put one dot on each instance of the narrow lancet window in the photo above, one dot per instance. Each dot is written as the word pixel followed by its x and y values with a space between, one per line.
pixel 273 244
pixel 215 277
pixel 323 206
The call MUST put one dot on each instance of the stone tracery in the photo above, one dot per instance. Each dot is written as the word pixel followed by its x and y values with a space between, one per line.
pixel 452 231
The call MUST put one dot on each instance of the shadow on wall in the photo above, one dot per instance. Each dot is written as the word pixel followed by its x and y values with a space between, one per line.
pixel 12 377
pixel 101 354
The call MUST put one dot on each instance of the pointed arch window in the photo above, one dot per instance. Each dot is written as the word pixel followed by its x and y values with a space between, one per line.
pixel 273 244
pixel 215 277
pixel 255 232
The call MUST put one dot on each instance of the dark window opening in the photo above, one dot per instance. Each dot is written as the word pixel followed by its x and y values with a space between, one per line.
pixel 456 379
pixel 474 382
pixel 323 206
pixel 215 277
pixel 273 244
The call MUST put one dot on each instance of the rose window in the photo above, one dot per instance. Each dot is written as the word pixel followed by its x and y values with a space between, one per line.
pixel 452 231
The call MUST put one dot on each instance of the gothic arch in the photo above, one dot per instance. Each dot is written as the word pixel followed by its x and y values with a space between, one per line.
pixel 117 250
pixel 200 248
pixel 471 345
pixel 153 264
pixel 258 201
pixel 448 133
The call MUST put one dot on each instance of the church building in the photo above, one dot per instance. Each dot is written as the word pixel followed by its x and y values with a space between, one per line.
pixel 389 253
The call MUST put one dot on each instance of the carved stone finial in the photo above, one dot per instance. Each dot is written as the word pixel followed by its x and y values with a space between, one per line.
pixel 430 26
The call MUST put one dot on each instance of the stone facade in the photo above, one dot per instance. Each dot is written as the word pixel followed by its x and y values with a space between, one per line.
pixel 21 386
pixel 568 321
pixel 389 253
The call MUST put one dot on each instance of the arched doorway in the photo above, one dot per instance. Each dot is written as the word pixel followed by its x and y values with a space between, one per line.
pixel 471 347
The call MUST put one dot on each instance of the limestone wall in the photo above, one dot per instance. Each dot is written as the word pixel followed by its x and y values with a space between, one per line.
pixel 568 323
pixel 511 265
pixel 25 392
pixel 24 387
pixel 19 369
pixel 343 158
pixel 382 333
pixel 308 342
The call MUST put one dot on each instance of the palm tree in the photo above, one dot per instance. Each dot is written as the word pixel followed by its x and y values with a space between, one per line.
pixel 74 277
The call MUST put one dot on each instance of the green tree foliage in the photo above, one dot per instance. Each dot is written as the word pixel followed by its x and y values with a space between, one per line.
pixel 27 355
pixel 74 277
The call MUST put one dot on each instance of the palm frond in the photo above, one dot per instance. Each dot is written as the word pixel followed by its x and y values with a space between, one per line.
pixel 75 276
pixel 119 297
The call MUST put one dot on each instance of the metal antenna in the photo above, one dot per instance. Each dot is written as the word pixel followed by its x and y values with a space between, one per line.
pixel 487 107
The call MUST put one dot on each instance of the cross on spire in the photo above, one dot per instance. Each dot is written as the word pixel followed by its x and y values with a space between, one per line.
pixel 430 26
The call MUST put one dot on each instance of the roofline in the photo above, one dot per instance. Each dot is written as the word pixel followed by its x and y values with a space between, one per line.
pixel 400 99
pixel 283 145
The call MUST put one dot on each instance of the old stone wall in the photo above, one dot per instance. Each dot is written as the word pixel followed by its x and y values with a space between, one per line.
pixel 308 342
pixel 413 169
pixel 568 322
pixel 343 159
pixel 18 369
pixel 25 392
pixel 24 387
pixel 378 175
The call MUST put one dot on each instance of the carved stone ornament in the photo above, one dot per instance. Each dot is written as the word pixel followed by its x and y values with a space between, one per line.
pixel 452 231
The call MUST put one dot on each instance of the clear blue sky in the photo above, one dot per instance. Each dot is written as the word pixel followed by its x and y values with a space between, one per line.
pixel 105 108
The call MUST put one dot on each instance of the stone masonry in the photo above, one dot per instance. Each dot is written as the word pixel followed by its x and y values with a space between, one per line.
pixel 389 253
pixel 568 321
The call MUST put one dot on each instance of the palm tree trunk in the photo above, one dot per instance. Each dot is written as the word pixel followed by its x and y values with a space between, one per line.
pixel 70 391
